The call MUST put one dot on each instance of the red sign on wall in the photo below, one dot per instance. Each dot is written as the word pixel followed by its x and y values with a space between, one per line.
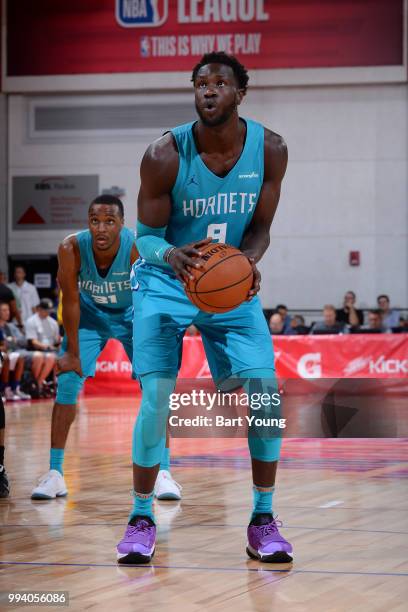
pixel 129 36
pixel 377 356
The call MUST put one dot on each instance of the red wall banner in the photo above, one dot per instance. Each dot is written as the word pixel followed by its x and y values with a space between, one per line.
pixel 46 37
pixel 354 356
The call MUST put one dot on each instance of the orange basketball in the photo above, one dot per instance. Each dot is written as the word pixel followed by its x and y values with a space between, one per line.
pixel 224 281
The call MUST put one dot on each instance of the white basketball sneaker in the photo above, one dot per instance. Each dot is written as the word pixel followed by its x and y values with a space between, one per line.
pixel 11 396
pixel 50 486
pixel 22 395
pixel 166 487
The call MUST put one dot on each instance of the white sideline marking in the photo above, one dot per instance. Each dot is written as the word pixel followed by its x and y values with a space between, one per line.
pixel 330 504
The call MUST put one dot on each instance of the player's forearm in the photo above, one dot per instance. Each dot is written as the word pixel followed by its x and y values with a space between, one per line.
pixel 151 243
pixel 71 315
pixel 254 243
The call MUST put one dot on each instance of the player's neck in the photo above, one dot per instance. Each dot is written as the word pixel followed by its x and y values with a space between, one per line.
pixel 220 138
pixel 104 259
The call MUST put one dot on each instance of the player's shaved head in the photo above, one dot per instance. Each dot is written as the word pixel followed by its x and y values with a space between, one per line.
pixel 108 200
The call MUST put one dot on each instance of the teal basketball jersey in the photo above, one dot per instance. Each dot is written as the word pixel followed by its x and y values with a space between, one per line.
pixel 204 204
pixel 113 290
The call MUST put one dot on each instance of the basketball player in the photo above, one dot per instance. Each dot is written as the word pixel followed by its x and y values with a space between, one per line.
pixel 94 276
pixel 218 178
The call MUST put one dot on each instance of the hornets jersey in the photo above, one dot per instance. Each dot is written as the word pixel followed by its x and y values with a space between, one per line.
pixel 204 204
pixel 112 291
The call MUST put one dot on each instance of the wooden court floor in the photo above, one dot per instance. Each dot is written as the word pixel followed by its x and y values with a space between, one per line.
pixel 344 505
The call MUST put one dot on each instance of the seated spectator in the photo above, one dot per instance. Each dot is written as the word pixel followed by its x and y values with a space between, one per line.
pixel 13 366
pixel 374 324
pixel 297 327
pixel 349 314
pixel 268 312
pixel 43 335
pixel 390 318
pixel 3 364
pixel 14 345
pixel 283 311
pixel 329 325
pixel 276 324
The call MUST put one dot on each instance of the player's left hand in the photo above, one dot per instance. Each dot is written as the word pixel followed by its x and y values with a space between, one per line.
pixel 256 285
pixel 69 363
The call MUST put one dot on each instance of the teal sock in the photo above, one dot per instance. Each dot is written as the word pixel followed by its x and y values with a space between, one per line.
pixel 57 459
pixel 142 505
pixel 262 500
pixel 165 461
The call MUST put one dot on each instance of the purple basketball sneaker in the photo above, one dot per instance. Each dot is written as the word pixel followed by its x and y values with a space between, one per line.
pixel 137 545
pixel 265 542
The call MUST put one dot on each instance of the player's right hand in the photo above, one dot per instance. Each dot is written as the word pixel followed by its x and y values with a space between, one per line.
pixel 185 257
pixel 69 363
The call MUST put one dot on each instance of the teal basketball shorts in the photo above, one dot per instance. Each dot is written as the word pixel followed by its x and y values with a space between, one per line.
pixel 234 341
pixel 96 327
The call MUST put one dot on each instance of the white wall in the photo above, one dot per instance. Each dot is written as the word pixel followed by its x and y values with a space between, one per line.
pixel 346 188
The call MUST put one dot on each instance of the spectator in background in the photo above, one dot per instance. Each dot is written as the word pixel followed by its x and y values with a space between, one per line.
pixel 15 339
pixel 4 483
pixel 283 311
pixel 390 318
pixel 297 326
pixel 43 335
pixel 276 324
pixel 329 325
pixel 375 323
pixel 25 293
pixel 349 314
pixel 4 366
pixel 7 296
pixel 14 366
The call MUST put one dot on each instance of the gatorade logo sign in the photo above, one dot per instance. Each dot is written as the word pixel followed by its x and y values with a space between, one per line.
pixel 309 365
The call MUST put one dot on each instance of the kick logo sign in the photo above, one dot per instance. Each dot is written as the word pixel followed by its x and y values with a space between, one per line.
pixel 141 13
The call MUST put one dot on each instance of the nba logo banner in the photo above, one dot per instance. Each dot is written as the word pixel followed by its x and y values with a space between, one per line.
pixel 141 13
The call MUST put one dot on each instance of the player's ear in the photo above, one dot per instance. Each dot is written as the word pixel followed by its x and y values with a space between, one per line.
pixel 240 95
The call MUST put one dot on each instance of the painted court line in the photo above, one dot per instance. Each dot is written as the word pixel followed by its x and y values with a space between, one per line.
pixel 221 525
pixel 331 504
pixel 210 569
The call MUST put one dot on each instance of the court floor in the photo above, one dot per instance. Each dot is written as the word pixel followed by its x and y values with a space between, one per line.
pixel 343 503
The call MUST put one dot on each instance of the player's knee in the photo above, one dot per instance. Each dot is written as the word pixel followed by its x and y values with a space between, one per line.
pixel 156 390
pixel 69 387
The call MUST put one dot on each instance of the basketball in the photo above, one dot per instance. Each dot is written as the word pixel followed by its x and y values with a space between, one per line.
pixel 224 281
